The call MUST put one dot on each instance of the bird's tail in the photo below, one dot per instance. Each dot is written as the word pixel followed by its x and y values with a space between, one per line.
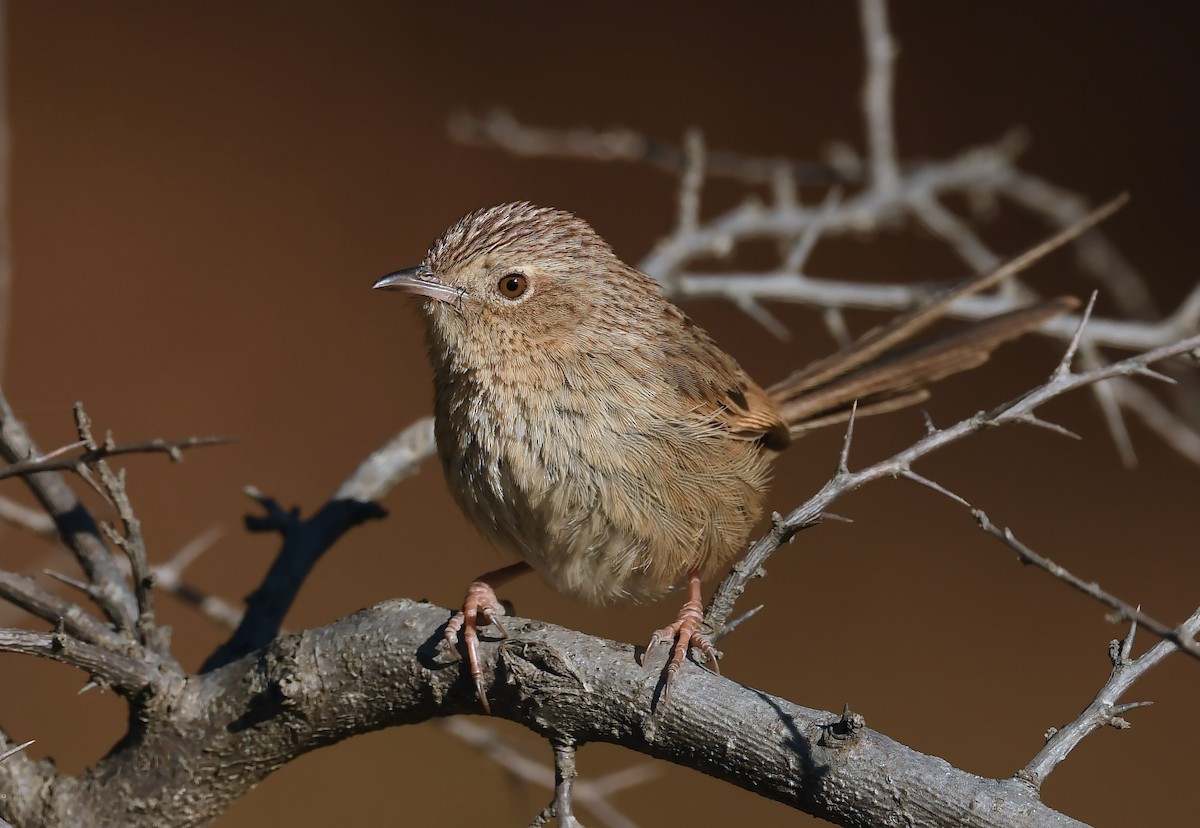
pixel 889 367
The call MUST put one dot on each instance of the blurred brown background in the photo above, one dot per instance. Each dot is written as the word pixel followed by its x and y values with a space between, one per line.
pixel 202 195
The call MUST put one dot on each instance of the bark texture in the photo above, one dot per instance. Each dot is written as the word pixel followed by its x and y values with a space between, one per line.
pixel 198 744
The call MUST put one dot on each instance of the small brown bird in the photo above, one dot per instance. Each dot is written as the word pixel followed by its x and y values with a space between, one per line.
pixel 589 426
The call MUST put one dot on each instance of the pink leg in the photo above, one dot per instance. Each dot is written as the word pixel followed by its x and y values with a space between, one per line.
pixel 481 607
pixel 685 632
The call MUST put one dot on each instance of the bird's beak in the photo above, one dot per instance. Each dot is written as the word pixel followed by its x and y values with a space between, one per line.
pixel 419 281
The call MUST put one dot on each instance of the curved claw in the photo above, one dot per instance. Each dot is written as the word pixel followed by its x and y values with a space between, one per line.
pixel 480 608
pixel 685 632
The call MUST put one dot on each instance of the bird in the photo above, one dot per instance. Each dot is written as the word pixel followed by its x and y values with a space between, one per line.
pixel 592 429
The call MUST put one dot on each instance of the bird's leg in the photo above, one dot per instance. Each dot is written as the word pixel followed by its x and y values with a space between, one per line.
pixel 685 632
pixel 480 608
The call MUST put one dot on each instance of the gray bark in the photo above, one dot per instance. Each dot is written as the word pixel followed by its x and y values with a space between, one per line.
pixel 197 744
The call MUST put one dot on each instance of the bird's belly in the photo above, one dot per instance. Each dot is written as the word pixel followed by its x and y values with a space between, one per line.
pixel 602 512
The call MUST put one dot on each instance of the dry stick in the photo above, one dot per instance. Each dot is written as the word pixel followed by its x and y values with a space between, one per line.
pixel 595 795
pixel 498 128
pixel 30 596
pixel 20 778
pixel 304 542
pixel 877 97
pixel 1177 636
pixel 53 462
pixel 131 542
pixel 986 170
pixel 1020 410
pixel 864 211
pixel 168 577
pixel 564 778
pixel 129 676
pixel 1104 710
pixel 1157 417
pixel 31 520
pixel 691 181
pixel 75 525
pixel 783 286
pixel 15 749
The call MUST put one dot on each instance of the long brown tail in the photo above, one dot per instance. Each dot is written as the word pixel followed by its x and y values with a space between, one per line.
pixel 885 369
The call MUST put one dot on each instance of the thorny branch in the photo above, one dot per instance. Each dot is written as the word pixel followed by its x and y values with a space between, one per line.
pixel 1180 636
pixel 1106 710
pixel 891 192
pixel 1020 410
pixel 56 461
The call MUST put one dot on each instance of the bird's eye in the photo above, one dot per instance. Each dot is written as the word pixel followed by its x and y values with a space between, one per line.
pixel 512 286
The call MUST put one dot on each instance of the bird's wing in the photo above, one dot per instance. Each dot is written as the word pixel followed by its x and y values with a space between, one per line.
pixel 719 389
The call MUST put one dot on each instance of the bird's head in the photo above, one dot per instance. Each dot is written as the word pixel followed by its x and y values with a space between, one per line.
pixel 516 275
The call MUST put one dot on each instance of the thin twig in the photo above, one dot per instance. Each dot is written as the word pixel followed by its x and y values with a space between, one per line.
pixel 498 128
pixel 843 482
pixel 31 520
pixel 1125 610
pixel 131 541
pixel 877 97
pixel 1105 710
pixel 594 795
pixel 75 524
pixel 123 673
pixel 172 448
pixel 27 594
pixel 305 541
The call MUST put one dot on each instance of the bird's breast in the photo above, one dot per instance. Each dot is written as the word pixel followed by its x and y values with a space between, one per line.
pixel 608 491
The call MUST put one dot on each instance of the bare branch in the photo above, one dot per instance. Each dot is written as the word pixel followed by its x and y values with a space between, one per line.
pixel 1171 429
pixel 304 542
pixel 375 671
pixel 1019 410
pixel 594 795
pixel 29 596
pixel 877 97
pixel 690 183
pixel 128 675
pixel 14 750
pixel 1104 709
pixel 561 807
pixel 1178 637
pixel 31 520
pixel 131 542
pixel 500 129
pixel 957 234
pixel 392 462
pixel 75 525
pixel 53 462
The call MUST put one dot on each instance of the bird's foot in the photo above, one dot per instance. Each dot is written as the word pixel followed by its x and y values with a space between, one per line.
pixel 685 632
pixel 481 608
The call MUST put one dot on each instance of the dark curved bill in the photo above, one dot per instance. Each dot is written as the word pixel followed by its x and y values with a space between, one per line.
pixel 418 281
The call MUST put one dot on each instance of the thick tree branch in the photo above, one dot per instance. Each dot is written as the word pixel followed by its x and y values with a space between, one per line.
pixel 380 668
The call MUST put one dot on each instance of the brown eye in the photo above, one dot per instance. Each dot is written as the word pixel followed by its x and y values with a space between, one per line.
pixel 512 285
